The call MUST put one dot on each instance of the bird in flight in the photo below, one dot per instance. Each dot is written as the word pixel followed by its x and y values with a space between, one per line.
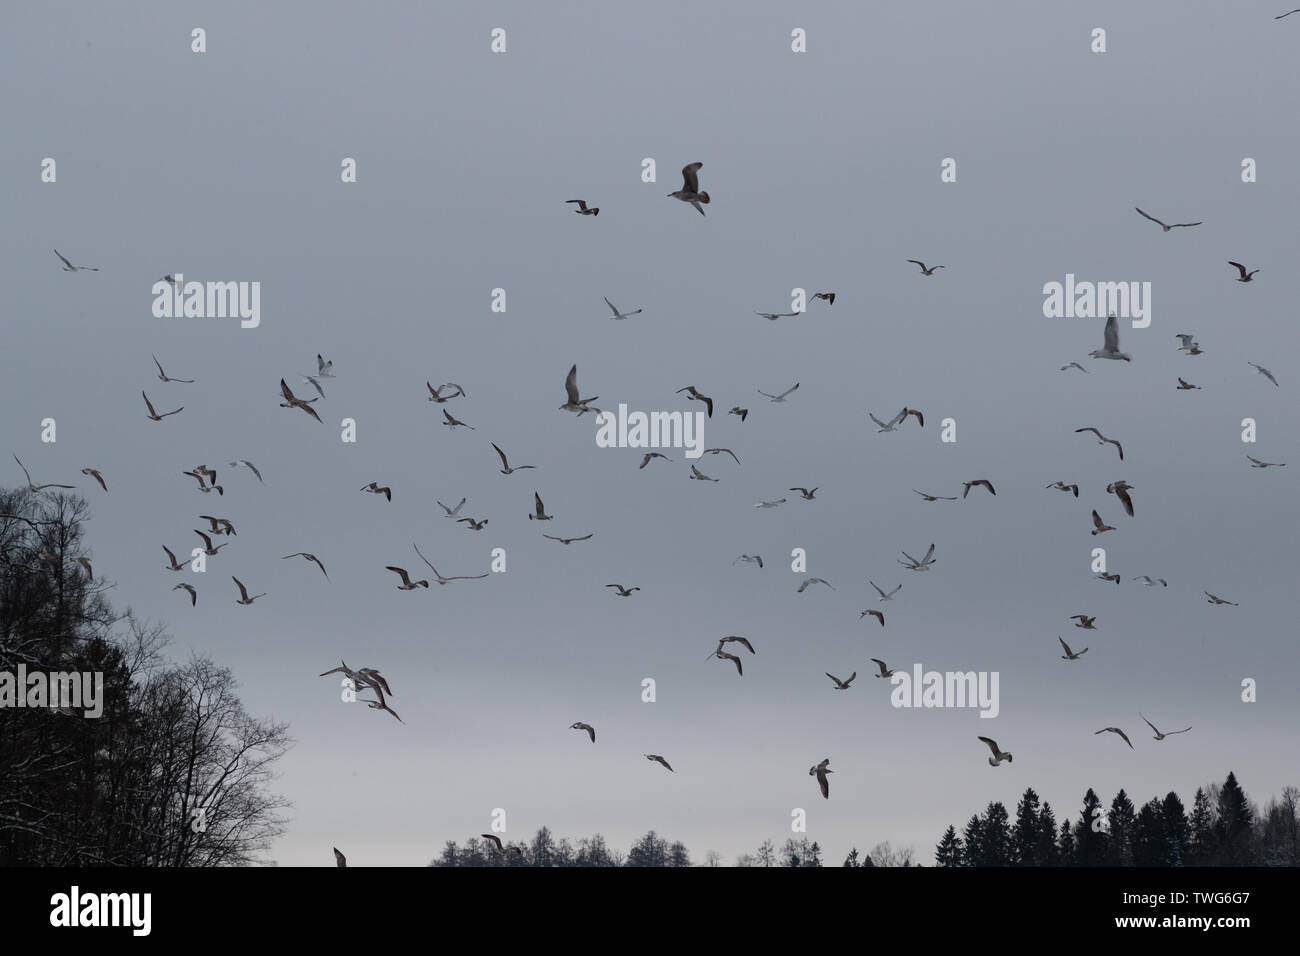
pixel 694 395
pixel 1152 582
pixel 1103 440
pixel 750 559
pixel 579 725
pixel 1120 490
pixel 820 771
pixel 505 465
pixel 164 377
pixel 1085 622
pixel 582 209
pixel 1075 365
pixel 204 487
pixel 34 488
pixel 828 296
pixel 69 267
pixel 243 592
pixel 453 422
pixel 1062 486
pixel 1215 599
pixel 618 314
pixel 622 591
pixel 1109 578
pixel 1189 346
pixel 175 565
pixel 646 458
pixel 1185 386
pixel 435 394
pixel 778 398
pixel 722 655
pixel 451 512
pixel 742 412
pixel 1115 730
pixel 968 485
pixel 808 581
pixel 723 451
pixel 323 368
pixel 473 525
pixel 690 191
pixel 935 497
pixel 878 615
pixel 1110 342
pixel 1288 13
pixel 407 584
pixel 572 402
pixel 1172 225
pixel 659 760
pixel 697 475
pixel 496 842
pixel 376 489
pixel 539 513
pixel 842 684
pixel 290 401
pixel 890 595
pixel 1256 463
pixel 309 557
pixel 1263 371
pixel 923 564
pixel 441 579
pixel 998 755
pixel 247 464
pixel 924 270
pixel 1245 276
pixel 153 415
pixel 1099 526
pixel 219 525
pixel 884 670
pixel 773 316
pixel 1159 735
pixel 194 595
pixel 1070 655
pixel 567 540
pixel 806 493
pixel 93 473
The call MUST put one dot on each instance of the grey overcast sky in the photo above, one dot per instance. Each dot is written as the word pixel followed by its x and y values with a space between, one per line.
pixel 824 173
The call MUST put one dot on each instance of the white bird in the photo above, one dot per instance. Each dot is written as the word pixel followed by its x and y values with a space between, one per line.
pixel 1110 343
pixel 618 314
pixel 1103 440
pixel 883 595
pixel 1172 225
pixel 884 670
pixel 1263 371
pixel 505 465
pixel 1159 735
pixel 1152 582
pixel 773 316
pixel 164 377
pixel 1245 276
pixel 443 580
pixel 435 394
pixel 315 383
pixel 934 497
pixel 573 403
pixel 998 755
pixel 1188 345
pixel 323 368
pixel 247 464
pixel 841 684
pixel 539 513
pixel 893 424
pixel 153 415
pixel 1256 463
pixel 646 458
pixel 697 475
pixel 924 270
pixel 34 488
pixel 820 771
pixel 451 512
pixel 243 592
pixel 1070 655
pixel 690 191
pixel 778 398
pixel 69 267
pixel 769 504
pixel 750 559
pixel 808 581
pixel 923 564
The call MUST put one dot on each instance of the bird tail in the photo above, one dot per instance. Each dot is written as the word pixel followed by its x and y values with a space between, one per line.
pixel 702 197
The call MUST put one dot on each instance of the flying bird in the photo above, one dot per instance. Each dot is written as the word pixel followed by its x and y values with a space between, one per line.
pixel 453 422
pixel 164 377
pixel 1110 343
pixel 175 565
pixel 1185 386
pixel 1151 582
pixel 153 415
pixel 1245 276
pixel 210 549
pixel 694 395
pixel 1085 622
pixel 773 316
pixel 820 771
pixel 1120 490
pixel 806 493
pixel 690 191
pixel 1189 346
pixel 203 485
pixel 572 402
pixel 323 368
pixel 622 591
pixel 1103 440
pixel 579 725
pixel 1255 463
pixel 618 314
pixel 1062 486
pixel 1288 13
pixel 878 615
pixel 247 464
pixel 737 410
pixel 451 512
pixel 376 489
pixel 968 485
pixel 443 580
pixel 659 760
pixel 1070 655
pixel 828 296
pixel 1214 599
pixel 1263 371
pixel 892 425
pixel 750 559
pixel 1075 365
pixel 935 497
pixel 243 592
pixel 473 525
pixel 890 595
pixel 697 475
pixel 722 655
pixel 69 267
pixel 1109 578
pixel 539 513
pixel 1172 225
pixel 808 581
pixel 924 270
pixel 582 209
pixel 1159 735
pixel 769 504
pixel 778 398
pixel 34 488
pixel 722 451
pixel 219 525
pixel 567 540
pixel 884 670
pixel 310 557
pixel 842 684
pixel 194 595
pixel 436 396
pixel 923 564
pixel 407 584
pixel 645 459
pixel 505 465
pixel 737 639
pixel 1099 526
pixel 291 401
pixel 998 755
pixel 1115 730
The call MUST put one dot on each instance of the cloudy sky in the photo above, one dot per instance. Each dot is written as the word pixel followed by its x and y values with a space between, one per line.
pixel 823 168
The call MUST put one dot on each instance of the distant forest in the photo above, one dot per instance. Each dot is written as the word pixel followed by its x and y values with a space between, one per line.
pixel 1223 828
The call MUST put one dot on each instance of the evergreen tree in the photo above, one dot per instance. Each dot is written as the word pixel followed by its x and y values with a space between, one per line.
pixel 852 858
pixel 1122 818
pixel 972 842
pixel 1176 830
pixel 814 857
pixel 948 852
pixel 1234 828
pixel 650 850
pixel 1024 835
pixel 995 842
pixel 1068 851
pixel 1090 838
pixel 1201 841
pixel 1150 842
pixel 678 855
pixel 1047 853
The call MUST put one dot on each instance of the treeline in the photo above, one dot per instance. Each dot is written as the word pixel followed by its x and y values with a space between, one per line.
pixel 173 773
pixel 1222 828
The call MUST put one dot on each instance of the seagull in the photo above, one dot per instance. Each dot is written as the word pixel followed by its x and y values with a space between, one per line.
pixel 690 191
pixel 1188 346
pixel 435 394
pixel 85 563
pixel 1185 386
pixel 806 493
pixel 582 209
pixel 1263 371
pixel 207 472
pixel 1174 225
pixel 1114 578
pixel 923 564
pixel 339 858
pixel 893 424
pixel 912 411
pixel 719 451
pixel 773 316
pixel 1062 486
pixel 884 671
pixel 1287 14
pixel 722 655
pixel 579 725
pixel 1215 599
pixel 890 595
pixel 697 475
pixel 742 412
pixel 694 395
pixel 1115 730
pixel 243 592
pixel 878 615
pixel 1099 525
pixel 934 497
pixel 1103 440
pixel 1159 735
pixel 441 579
pixel 69 267
pixel 659 760
pixel 375 489
pixel 1070 655
pixel 567 540
pixel 290 401
pixel 203 485
pixel 323 368
pixel 841 684
pixel 315 383
pixel 769 504
pixel 505 465
pixel 1151 582
pixel 473 525
pixel 407 584
pixel 622 591
pixel 1120 490
pixel 968 485
pixel 540 512
pixel 451 512
pixel 618 314
pixel 164 377
pixel 1085 622
pixel 778 398
pixel 309 557
pixel 573 403
pixel 750 559
pixel 820 771
pixel 736 639
pixel 169 279
pixel 1245 276
pixel 34 488
pixel 175 565
pixel 808 581
pixel 154 416
pixel 1110 343
pixel 645 459
pixel 211 549
pixel 452 421
pixel 1075 365
pixel 194 595
pixel 998 755
pixel 219 525
pixel 247 464
pixel 496 840
pixel 381 704
pixel 924 270
pixel 1256 463
pixel 828 296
